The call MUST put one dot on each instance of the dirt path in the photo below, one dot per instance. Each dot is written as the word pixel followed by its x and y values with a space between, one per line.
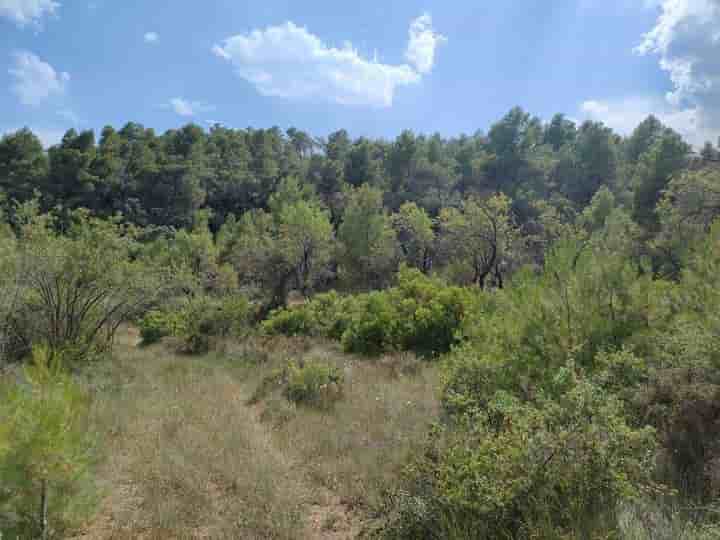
pixel 327 517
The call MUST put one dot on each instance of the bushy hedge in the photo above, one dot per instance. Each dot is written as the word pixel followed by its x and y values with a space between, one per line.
pixel 196 320
pixel 421 314
pixel 326 315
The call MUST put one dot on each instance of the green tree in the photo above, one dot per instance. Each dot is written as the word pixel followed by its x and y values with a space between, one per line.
pixel 643 137
pixel 415 235
pixel 72 183
pixel 368 243
pixel 595 162
pixel 664 159
pixel 687 210
pixel 481 237
pixel 559 132
pixel 305 238
pixel 45 446
pixel 23 165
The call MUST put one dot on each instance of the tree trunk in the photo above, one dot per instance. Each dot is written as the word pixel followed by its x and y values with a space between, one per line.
pixel 44 530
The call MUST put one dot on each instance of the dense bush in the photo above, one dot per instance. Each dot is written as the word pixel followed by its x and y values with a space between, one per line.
pixel 196 320
pixel 518 470
pixel 325 315
pixel 420 313
pixel 574 390
pixel 313 383
pixel 154 326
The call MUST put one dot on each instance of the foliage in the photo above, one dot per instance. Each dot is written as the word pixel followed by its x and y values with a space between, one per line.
pixel 76 288
pixel 480 238
pixel 420 313
pixel 368 240
pixel 198 319
pixel 313 383
pixel 45 448
pixel 517 469
pixel 325 315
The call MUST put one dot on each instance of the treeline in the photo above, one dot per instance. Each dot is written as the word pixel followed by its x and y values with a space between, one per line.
pixel 474 207
pixel 163 179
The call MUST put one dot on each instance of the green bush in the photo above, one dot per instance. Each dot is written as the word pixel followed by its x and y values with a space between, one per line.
pixel 553 469
pixel 294 321
pixel 374 329
pixel 197 320
pixel 313 383
pixel 326 315
pixel 154 326
pixel 420 314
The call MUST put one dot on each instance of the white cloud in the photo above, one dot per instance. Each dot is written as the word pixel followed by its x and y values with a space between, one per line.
pixel 184 107
pixel 151 37
pixel 686 37
pixel 287 61
pixel 423 42
pixel 35 80
pixel 624 115
pixel 24 12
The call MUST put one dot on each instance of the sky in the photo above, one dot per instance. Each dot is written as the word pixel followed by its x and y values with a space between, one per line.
pixel 373 67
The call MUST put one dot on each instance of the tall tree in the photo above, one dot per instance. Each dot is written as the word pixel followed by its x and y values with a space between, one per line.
pixel 368 244
pixel 481 237
pixel 415 235
pixel 23 165
pixel 665 158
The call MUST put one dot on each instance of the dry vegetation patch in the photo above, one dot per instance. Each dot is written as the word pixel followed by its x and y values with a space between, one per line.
pixel 187 456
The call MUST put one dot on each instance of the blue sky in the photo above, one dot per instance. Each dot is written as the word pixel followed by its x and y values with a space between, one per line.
pixel 372 67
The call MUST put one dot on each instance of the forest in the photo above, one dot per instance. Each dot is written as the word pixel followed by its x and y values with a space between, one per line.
pixel 257 333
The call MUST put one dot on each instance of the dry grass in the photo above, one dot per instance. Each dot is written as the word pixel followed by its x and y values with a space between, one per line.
pixel 187 457
pixel 356 448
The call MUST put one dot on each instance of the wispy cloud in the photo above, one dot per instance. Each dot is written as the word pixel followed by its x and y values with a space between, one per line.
pixel 184 107
pixel 288 61
pixel 151 37
pixel 27 12
pixel 624 115
pixel 423 42
pixel 34 80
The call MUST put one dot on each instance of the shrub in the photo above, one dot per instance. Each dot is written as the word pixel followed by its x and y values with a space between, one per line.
pixel 420 314
pixel 314 383
pixel 77 287
pixel 517 470
pixel 154 326
pixel 198 320
pixel 326 315
pixel 374 328
pixel 294 321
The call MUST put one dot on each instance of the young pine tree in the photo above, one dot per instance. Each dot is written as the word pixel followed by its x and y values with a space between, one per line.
pixel 44 447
